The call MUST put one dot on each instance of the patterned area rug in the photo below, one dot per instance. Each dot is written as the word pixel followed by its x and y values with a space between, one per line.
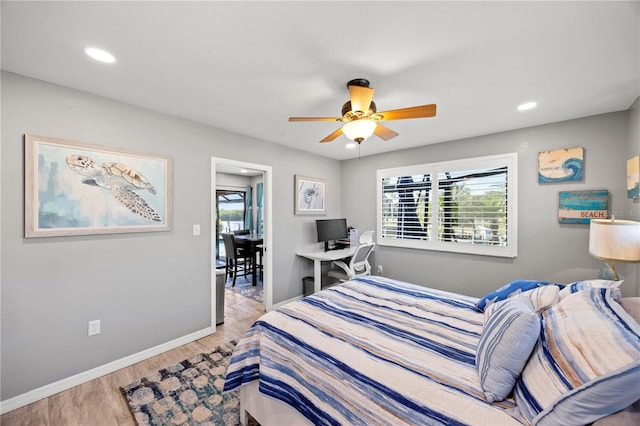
pixel 244 287
pixel 187 393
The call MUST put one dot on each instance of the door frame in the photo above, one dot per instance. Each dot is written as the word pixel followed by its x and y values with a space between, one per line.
pixel 267 260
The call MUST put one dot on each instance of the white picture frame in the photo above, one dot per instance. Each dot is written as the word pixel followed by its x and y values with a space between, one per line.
pixel 310 195
pixel 74 188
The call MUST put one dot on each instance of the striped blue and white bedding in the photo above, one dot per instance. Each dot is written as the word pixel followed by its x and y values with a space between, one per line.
pixel 586 363
pixel 371 351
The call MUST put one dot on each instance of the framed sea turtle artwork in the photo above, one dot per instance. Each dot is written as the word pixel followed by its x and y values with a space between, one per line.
pixel 74 188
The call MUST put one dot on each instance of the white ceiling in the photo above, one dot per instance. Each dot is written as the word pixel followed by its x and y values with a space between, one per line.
pixel 236 170
pixel 247 66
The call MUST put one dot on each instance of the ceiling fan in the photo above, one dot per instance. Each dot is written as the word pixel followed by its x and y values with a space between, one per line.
pixel 361 117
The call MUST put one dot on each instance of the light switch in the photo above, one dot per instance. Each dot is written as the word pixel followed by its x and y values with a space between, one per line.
pixel 196 229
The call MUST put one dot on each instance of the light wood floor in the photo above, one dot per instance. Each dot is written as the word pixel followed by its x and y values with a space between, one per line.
pixel 100 403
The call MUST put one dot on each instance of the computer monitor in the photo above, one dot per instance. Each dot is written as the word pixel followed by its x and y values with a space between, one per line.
pixel 330 230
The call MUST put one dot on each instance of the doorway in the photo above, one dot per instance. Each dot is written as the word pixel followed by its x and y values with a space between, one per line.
pixel 234 167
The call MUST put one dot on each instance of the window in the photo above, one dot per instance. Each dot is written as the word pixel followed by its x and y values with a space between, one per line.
pixel 230 213
pixel 462 206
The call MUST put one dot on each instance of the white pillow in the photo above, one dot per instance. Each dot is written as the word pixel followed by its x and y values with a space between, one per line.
pixel 541 298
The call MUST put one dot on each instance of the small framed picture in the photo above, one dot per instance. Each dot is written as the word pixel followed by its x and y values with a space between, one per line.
pixel 582 206
pixel 310 195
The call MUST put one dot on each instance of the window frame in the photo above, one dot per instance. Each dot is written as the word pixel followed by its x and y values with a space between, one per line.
pixel 509 160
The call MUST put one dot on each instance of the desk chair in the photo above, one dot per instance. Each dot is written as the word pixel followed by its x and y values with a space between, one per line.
pixel 366 237
pixel 358 265
pixel 236 258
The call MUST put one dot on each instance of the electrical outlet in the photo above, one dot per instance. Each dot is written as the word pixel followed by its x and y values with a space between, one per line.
pixel 379 269
pixel 94 327
pixel 196 230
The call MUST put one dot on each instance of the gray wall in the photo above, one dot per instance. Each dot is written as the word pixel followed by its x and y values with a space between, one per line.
pixel 546 249
pixel 633 270
pixel 148 288
pixel 135 283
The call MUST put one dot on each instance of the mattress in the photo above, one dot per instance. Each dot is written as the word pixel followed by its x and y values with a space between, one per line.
pixel 371 351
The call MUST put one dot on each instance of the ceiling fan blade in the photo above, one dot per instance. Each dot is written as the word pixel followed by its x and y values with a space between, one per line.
pixel 332 136
pixel 315 118
pixel 360 98
pixel 422 111
pixel 384 132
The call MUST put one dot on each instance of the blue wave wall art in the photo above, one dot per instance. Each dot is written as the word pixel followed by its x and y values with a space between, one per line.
pixel 574 168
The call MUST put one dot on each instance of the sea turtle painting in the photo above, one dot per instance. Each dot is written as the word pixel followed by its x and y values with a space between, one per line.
pixel 120 179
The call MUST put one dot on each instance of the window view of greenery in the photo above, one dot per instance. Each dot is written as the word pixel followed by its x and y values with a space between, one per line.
pixel 471 207
pixel 230 211
pixel 231 215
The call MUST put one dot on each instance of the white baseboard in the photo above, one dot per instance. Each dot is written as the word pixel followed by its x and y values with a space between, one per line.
pixel 69 382
pixel 281 304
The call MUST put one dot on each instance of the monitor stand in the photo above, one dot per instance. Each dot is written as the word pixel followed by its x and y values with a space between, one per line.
pixel 334 247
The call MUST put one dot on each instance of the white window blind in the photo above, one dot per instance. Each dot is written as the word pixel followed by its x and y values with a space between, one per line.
pixel 405 207
pixel 470 203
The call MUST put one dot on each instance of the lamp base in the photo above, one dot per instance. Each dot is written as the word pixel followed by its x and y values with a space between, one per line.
pixel 608 273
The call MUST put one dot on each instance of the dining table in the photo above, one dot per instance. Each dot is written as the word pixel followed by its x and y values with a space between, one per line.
pixel 251 241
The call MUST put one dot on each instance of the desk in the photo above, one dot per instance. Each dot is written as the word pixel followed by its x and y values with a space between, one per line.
pixel 324 256
pixel 251 241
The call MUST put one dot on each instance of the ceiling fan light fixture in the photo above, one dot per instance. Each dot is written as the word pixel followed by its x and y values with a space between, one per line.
pixel 359 130
pixel 360 115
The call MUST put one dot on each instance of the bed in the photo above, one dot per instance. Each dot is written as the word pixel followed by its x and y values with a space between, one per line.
pixel 380 351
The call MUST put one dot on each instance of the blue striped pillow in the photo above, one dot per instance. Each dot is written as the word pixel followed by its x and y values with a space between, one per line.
pixel 586 364
pixel 506 342
pixel 586 284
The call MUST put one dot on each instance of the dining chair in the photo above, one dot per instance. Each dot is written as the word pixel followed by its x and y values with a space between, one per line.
pixel 260 249
pixel 241 232
pixel 236 258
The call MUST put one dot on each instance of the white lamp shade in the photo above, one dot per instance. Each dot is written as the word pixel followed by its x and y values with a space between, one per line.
pixel 359 129
pixel 615 240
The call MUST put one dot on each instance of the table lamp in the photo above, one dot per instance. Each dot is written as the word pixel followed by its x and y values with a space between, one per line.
pixel 614 240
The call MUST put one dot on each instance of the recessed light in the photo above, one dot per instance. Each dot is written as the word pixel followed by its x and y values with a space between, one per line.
pixel 244 171
pixel 350 145
pixel 100 55
pixel 527 105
